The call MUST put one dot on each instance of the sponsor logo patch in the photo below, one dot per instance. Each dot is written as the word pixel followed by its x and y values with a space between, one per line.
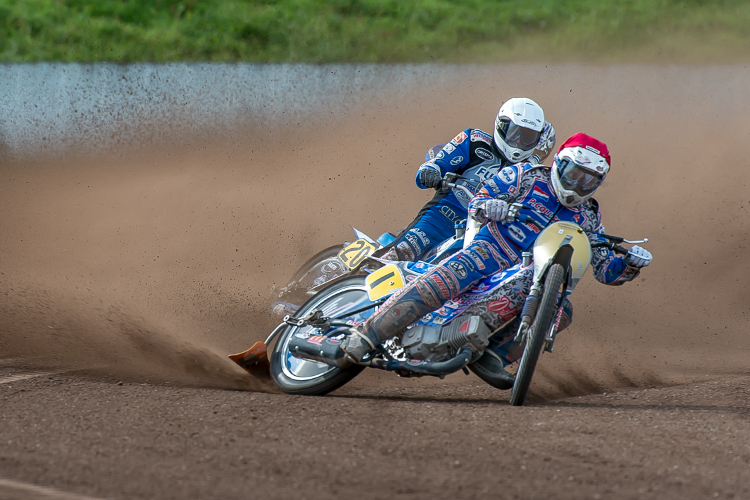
pixel 449 148
pixel 581 158
pixel 459 138
pixel 477 261
pixel 330 267
pixel 316 339
pixel 537 191
pixel 441 285
pixel 479 136
pixel 459 269
pixel 516 233
pixel 457 160
pixel 466 261
pixel 531 227
pixel 461 195
pixel 422 236
pixel 450 214
pixel 540 208
pixel 500 306
pixel 440 155
pixel 484 154
pixel 507 175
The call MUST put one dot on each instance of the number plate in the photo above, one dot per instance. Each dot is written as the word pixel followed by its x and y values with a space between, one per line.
pixel 353 254
pixel 383 282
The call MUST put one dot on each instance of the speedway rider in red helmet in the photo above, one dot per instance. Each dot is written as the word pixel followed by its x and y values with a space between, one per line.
pixel 562 192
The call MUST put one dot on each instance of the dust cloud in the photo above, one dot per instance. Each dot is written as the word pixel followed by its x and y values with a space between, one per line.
pixel 159 262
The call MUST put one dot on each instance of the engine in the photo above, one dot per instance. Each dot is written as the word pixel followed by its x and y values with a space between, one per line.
pixel 440 343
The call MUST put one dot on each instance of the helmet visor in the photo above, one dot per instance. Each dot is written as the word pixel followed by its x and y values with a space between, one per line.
pixel 517 136
pixel 574 177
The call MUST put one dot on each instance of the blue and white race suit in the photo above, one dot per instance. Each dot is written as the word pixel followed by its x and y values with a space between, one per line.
pixel 473 155
pixel 497 247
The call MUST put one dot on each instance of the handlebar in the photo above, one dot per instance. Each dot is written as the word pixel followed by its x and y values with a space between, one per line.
pixel 514 208
pixel 612 242
pixel 449 182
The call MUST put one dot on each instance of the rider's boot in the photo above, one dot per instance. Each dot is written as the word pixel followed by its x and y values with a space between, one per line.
pixel 357 345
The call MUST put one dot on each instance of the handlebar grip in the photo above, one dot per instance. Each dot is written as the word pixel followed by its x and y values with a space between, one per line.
pixel 619 249
pixel 530 220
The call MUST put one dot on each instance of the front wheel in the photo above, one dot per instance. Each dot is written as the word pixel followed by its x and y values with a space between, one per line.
pixel 537 331
pixel 298 376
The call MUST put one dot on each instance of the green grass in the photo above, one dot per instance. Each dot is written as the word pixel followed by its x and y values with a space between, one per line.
pixel 374 30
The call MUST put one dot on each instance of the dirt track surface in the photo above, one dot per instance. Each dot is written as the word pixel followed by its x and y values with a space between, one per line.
pixel 149 268
pixel 440 441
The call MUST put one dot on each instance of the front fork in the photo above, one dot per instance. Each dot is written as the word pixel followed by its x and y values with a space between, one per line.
pixel 528 315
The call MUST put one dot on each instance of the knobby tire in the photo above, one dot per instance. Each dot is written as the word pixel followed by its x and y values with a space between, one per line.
pixel 537 331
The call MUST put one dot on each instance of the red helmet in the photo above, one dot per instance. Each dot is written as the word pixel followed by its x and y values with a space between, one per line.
pixel 580 166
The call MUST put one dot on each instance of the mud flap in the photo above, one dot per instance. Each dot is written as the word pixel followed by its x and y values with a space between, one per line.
pixel 254 360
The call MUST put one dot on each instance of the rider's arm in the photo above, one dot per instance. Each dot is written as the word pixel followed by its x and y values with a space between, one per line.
pixel 609 268
pixel 505 185
pixel 452 157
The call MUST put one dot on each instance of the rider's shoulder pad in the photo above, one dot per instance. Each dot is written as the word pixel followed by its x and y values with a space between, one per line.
pixel 477 135
pixel 509 174
pixel 461 137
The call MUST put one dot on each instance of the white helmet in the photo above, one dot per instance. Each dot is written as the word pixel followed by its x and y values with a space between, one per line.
pixel 518 125
pixel 580 166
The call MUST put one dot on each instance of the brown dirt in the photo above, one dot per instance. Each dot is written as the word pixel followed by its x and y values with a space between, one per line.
pixel 152 267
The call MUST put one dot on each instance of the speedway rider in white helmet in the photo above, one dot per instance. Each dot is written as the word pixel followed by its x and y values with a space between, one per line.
pixel 521 134
pixel 560 193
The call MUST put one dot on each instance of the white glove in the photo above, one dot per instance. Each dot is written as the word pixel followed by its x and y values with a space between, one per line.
pixel 496 210
pixel 429 177
pixel 638 257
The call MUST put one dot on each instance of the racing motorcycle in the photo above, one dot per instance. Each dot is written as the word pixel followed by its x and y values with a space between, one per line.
pixel 340 260
pixel 511 315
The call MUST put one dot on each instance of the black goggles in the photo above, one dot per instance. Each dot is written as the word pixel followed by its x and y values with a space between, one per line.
pixel 517 136
pixel 574 177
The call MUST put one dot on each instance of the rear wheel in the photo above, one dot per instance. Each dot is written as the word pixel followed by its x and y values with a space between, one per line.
pixel 297 376
pixel 537 331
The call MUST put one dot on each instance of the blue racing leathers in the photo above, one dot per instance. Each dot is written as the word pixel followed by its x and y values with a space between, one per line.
pixel 473 155
pixel 496 247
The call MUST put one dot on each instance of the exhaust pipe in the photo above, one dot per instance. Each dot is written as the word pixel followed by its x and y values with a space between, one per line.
pixel 433 368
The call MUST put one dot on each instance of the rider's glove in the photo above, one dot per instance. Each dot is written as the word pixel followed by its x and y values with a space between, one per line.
pixel 638 257
pixel 429 177
pixel 496 210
